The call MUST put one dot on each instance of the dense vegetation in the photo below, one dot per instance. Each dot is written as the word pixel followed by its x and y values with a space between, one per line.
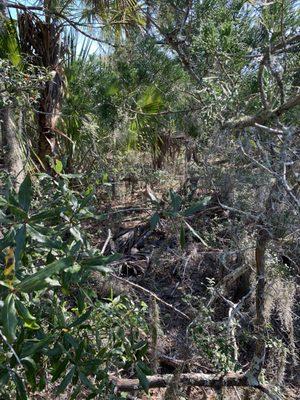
pixel 150 180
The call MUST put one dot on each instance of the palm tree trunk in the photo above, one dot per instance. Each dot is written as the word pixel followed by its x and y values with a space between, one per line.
pixel 41 40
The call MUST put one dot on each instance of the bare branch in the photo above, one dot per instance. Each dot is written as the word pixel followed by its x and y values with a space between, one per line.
pixel 263 116
pixel 141 288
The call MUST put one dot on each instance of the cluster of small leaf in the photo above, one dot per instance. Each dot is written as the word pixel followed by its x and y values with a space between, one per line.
pixel 20 88
pixel 211 338
pixel 54 327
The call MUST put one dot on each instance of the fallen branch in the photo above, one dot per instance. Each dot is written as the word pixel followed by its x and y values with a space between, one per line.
pixel 215 381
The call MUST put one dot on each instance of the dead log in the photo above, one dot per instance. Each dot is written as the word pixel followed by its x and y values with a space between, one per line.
pixel 188 379
pixel 214 381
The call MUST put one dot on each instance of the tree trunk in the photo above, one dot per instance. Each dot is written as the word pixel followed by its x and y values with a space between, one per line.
pixel 9 139
pixel 41 40
pixel 13 155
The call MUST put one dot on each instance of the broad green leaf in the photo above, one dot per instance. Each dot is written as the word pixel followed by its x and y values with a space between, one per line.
pixel 20 242
pixel 142 378
pixel 21 391
pixel 75 232
pixel 46 215
pixel 79 351
pixel 17 211
pixel 29 362
pixel 66 381
pixel 86 382
pixel 33 346
pixel 25 194
pixel 59 369
pixel 73 269
pixel 3 217
pixel 58 166
pixel 30 367
pixel 27 317
pixel 23 312
pixel 34 281
pixel 48 241
pixel 36 235
pixel 100 260
pixel 81 319
pixel 144 367
pixel 9 318
pixel 154 220
pixel 3 201
pixel 32 325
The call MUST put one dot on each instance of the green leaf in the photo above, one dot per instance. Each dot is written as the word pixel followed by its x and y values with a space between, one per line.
pixel 8 240
pixel 46 215
pixel 33 346
pixel 86 382
pixel 176 201
pixel 182 237
pixel 29 362
pixel 66 381
pixel 9 318
pixel 59 369
pixel 23 312
pixel 154 220
pixel 144 367
pixel 194 208
pixel 4 377
pixel 32 325
pixel 20 239
pixel 58 166
pixel 20 387
pixel 36 235
pixel 17 212
pixel 25 194
pixel 35 281
pixel 3 217
pixel 100 260
pixel 100 268
pixel 81 319
pixel 75 232
pixel 30 367
pixel 48 241
pixel 142 378
pixel 79 351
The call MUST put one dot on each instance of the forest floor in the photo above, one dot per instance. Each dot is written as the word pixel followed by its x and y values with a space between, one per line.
pixel 156 269
pixel 154 266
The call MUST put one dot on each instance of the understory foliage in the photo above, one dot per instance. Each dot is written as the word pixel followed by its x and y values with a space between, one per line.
pixel 160 144
pixel 50 315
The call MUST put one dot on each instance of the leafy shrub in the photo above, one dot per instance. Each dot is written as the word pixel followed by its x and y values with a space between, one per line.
pixel 53 325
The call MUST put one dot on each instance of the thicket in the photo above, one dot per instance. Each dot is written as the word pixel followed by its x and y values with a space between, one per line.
pixel 167 160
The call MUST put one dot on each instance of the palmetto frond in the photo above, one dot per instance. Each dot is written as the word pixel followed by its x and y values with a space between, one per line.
pixel 9 45
pixel 116 14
